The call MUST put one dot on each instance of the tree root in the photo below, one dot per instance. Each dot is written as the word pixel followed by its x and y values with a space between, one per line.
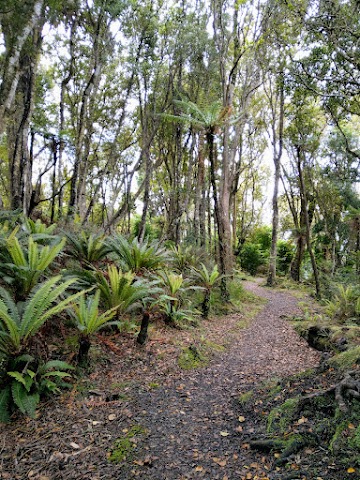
pixel 347 387
pixel 288 447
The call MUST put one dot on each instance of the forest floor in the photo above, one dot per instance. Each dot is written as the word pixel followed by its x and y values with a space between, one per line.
pixel 138 415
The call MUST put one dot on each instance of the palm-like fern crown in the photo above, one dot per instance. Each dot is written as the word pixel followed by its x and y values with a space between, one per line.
pixel 19 321
pixel 122 290
pixel 137 256
pixel 87 247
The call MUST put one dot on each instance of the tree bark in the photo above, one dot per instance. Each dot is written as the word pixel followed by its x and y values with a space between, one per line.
pixel 15 43
pixel 277 154
pixel 304 203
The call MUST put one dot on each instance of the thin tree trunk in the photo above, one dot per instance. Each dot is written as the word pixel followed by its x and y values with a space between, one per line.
pixel 277 154
pixel 12 69
pixel 307 223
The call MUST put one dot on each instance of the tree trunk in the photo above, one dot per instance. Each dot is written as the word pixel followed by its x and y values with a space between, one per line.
pixel 277 154
pixel 304 203
pixel 142 337
pixel 15 41
pixel 18 128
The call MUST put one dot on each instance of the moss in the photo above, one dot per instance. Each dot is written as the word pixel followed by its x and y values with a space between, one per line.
pixel 214 346
pixel 280 417
pixel 246 397
pixel 122 450
pixel 124 447
pixel 243 323
pixel 345 360
pixel 192 358
pixel 337 438
pixel 154 385
pixel 354 441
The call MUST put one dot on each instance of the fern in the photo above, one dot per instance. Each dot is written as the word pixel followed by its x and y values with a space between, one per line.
pixel 87 248
pixel 87 316
pixel 121 290
pixel 138 257
pixel 29 264
pixel 25 401
pixel 16 328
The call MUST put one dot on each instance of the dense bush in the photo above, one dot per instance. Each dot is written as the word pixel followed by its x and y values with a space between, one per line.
pixel 251 257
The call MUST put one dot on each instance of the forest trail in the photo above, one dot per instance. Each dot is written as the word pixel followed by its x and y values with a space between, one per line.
pixel 189 426
pixel 192 422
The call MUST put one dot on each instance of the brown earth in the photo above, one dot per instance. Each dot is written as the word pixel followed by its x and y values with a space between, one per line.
pixel 172 424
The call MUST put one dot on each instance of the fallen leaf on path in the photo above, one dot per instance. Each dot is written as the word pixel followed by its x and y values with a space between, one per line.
pixel 241 419
pixel 199 469
pixel 219 461
pixel 224 434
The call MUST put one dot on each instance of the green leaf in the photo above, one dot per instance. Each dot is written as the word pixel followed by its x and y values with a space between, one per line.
pixel 59 364
pixel 25 402
pixel 19 377
pixel 56 373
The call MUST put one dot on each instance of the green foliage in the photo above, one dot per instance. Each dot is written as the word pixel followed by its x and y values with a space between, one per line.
pixel 87 316
pixel 26 380
pixel 20 321
pixel 285 253
pixel 124 447
pixel 251 257
pixel 137 257
pixel 29 264
pixel 262 237
pixel 38 227
pixel 183 258
pixel 87 248
pixel 207 280
pixel 122 290
pixel 345 304
pixel 170 302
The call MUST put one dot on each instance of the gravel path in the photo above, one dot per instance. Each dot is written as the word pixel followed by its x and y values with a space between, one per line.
pixel 193 427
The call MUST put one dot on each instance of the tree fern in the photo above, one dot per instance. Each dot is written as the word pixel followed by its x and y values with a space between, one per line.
pixel 137 256
pixel 87 248
pixel 121 290
pixel 29 263
pixel 18 322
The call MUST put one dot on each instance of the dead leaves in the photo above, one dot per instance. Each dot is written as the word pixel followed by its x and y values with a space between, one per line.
pixel 220 461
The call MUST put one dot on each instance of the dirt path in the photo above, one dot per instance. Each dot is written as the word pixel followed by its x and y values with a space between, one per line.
pixel 187 428
pixel 192 423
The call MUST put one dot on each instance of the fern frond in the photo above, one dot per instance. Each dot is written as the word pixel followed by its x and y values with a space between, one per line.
pixel 25 402
pixel 15 249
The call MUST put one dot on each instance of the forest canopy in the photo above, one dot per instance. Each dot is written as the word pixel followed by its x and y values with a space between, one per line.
pixel 164 119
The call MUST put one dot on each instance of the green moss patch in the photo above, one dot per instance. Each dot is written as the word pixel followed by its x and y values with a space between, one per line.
pixel 192 357
pixel 125 447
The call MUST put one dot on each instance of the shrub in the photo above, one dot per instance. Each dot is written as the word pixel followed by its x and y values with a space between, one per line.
pixel 251 257
pixel 285 253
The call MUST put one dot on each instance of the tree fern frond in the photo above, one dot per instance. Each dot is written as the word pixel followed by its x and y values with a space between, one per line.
pixel 10 329
pixel 15 249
